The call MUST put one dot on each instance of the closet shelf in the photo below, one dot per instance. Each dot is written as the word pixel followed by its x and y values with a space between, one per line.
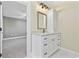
pixel 13 38
pixel 15 18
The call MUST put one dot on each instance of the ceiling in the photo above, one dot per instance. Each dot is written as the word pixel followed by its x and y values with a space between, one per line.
pixel 59 4
pixel 18 10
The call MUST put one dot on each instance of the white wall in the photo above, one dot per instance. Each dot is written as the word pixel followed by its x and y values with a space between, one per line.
pixel 68 25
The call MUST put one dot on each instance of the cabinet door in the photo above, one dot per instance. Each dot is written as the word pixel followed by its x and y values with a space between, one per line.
pixel 0 26
pixel 58 41
pixel 52 44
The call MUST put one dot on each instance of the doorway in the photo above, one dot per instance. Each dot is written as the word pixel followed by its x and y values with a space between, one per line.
pixel 14 30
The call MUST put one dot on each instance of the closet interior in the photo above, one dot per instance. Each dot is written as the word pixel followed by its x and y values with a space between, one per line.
pixel 14 30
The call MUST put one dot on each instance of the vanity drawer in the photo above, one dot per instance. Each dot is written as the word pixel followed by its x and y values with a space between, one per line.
pixel 45 53
pixel 55 43
pixel 44 39
pixel 44 49
pixel 52 36
pixel 58 41
pixel 53 39
pixel 44 45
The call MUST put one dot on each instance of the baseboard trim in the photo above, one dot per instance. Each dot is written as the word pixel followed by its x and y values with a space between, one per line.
pixel 71 51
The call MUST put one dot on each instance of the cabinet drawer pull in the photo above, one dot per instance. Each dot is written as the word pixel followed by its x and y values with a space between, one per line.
pixel 45 38
pixel 45 53
pixel 45 44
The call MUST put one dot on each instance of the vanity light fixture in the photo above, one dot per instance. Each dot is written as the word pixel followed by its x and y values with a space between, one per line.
pixel 43 6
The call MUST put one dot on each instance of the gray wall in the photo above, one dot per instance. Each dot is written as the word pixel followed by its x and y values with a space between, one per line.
pixel 13 27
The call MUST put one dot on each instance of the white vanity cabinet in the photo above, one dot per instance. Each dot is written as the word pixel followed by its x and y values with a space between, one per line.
pixel 43 45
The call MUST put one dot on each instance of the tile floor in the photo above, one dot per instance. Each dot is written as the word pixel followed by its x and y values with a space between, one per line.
pixel 64 54
pixel 15 48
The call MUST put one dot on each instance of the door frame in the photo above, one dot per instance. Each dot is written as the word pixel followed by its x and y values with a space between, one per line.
pixel 1 21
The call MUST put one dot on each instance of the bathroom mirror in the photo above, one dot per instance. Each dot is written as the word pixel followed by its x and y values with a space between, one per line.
pixel 41 20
